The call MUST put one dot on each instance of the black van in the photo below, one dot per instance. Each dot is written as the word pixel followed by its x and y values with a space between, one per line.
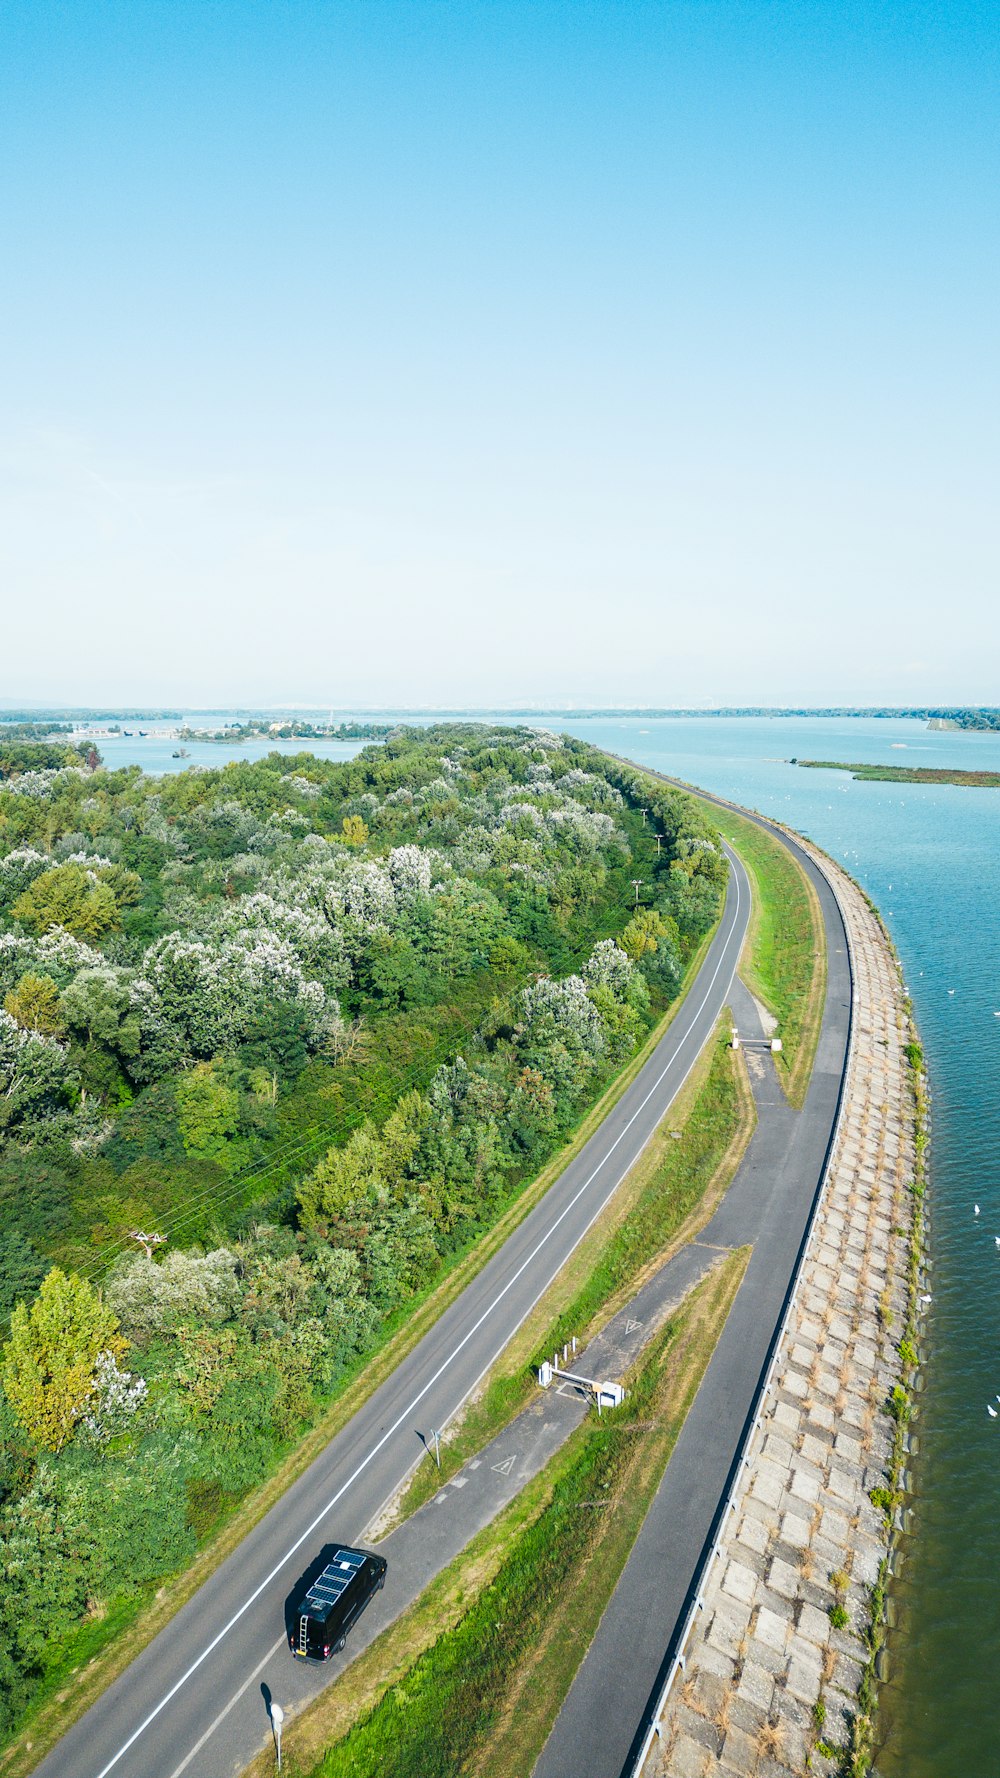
pixel 334 1601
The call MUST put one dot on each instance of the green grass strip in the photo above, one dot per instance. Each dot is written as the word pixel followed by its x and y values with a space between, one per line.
pixel 457 1694
pixel 785 965
pixel 675 1177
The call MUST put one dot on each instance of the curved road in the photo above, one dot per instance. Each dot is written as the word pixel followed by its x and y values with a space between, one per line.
pixel 174 1709
pixel 769 1205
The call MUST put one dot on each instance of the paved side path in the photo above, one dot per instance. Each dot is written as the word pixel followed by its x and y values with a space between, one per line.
pixel 432 1537
pixel 763 1652
pixel 769 1204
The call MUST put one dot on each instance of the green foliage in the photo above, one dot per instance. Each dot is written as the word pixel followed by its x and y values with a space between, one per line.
pixel 884 1499
pixel 643 933
pixel 322 1018
pixel 34 1005
pixel 50 1359
pixel 84 902
pixel 839 1617
pixel 22 1269
pixel 208 1109
pixel 899 1405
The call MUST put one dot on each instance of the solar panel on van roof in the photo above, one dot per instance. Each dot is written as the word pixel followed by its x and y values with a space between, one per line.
pixel 328 1586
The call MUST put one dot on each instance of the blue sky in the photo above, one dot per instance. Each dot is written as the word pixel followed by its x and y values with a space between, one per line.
pixel 596 352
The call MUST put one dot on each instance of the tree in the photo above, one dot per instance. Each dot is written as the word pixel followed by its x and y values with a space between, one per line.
pixel 354 830
pixel 22 1269
pixel 35 1078
pixel 34 1005
pixel 71 897
pixel 208 1110
pixel 50 1361
pixel 643 933
pixel 97 1006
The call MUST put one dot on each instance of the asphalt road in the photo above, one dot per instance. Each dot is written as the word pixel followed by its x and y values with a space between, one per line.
pixel 769 1204
pixel 178 1707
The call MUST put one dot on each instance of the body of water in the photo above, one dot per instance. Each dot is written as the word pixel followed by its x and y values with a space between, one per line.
pixel 930 857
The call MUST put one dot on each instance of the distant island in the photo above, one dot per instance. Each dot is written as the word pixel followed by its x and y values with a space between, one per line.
pixel 906 774
pixel 299 729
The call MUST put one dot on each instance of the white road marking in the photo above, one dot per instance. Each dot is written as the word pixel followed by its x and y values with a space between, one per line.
pixel 505 1467
pixel 209 1732
pixel 476 1461
pixel 631 1324
pixel 459 1481
pixel 444 1365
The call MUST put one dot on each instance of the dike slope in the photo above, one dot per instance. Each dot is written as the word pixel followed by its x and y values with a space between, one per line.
pixel 780 1665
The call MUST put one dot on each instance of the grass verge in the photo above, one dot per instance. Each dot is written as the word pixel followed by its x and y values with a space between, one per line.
pixel 784 960
pixel 668 1196
pixel 103 1651
pixel 784 963
pixel 483 1694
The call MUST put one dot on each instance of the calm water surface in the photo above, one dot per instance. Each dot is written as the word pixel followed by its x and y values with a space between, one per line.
pixel 930 857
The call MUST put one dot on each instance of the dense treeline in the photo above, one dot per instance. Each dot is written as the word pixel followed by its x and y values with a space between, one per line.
pixel 299 728
pixel 277 1040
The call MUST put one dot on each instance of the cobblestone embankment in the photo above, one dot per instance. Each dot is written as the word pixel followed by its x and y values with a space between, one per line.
pixel 771 1678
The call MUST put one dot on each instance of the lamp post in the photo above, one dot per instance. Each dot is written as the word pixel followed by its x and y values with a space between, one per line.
pixel 277 1718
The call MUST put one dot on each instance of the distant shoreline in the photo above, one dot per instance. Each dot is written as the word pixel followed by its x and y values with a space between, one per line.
pixel 958 717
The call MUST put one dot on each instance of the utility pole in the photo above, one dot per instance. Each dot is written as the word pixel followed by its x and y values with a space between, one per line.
pixel 644 813
pixel 436 1436
pixel 637 885
pixel 148 1242
pixel 277 1718
pixel 658 838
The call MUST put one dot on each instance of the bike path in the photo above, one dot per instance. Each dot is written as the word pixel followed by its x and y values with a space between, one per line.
pixel 770 1202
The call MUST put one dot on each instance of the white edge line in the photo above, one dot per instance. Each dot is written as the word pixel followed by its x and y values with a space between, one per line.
pixel 487 1312
pixel 234 1700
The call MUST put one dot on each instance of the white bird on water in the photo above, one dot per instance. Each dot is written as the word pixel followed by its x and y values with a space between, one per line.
pixel 976 1208
pixel 928 1299
pixel 991 1411
pixel 951 990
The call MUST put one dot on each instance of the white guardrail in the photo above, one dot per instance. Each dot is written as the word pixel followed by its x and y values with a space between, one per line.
pixel 756 1416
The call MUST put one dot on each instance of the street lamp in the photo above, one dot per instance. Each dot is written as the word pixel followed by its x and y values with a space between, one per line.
pixel 277 1718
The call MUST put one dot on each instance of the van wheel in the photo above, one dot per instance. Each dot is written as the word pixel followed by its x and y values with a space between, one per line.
pixel 381 1582
pixel 341 1645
